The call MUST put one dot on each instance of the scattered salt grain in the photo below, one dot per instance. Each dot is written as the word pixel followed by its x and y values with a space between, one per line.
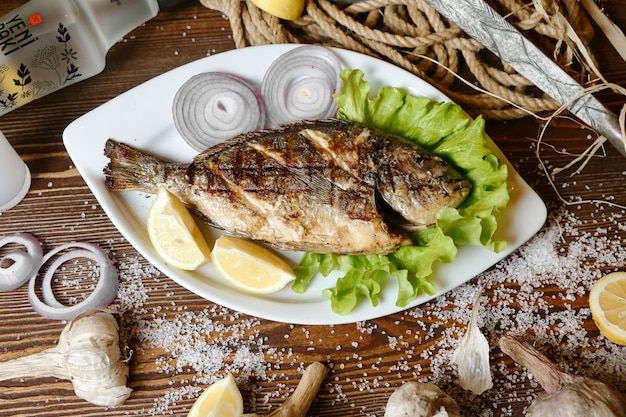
pixel 560 263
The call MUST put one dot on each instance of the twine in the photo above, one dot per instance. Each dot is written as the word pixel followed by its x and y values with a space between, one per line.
pixel 413 36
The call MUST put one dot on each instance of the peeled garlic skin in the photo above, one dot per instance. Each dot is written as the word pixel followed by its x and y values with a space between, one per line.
pixel 583 397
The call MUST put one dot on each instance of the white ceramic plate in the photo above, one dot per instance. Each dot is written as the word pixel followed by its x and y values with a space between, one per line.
pixel 142 117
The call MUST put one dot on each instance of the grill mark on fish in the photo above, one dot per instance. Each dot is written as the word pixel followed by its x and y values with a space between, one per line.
pixel 306 180
pixel 309 166
pixel 240 194
pixel 322 142
pixel 311 185
pixel 270 153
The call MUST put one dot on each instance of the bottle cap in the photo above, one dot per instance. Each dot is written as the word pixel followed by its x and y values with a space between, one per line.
pixel 14 176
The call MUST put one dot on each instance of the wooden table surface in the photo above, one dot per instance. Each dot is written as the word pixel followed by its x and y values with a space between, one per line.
pixel 182 342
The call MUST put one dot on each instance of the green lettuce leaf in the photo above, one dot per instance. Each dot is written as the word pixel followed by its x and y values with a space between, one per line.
pixel 443 129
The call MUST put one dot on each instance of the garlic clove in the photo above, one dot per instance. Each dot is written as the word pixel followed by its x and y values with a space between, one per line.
pixel 415 399
pixel 566 395
pixel 472 357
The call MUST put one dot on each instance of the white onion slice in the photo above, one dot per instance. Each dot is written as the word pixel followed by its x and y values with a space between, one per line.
pixel 104 293
pixel 18 266
pixel 214 106
pixel 300 85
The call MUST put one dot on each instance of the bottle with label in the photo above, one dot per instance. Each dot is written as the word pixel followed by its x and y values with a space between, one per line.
pixel 46 45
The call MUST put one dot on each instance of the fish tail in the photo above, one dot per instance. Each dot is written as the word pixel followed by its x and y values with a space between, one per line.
pixel 131 169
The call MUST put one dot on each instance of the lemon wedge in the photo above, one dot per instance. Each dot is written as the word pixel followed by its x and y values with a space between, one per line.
pixel 283 9
pixel 607 301
pixel 175 234
pixel 249 266
pixel 220 399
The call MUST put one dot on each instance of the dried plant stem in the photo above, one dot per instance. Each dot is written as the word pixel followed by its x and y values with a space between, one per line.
pixel 613 33
pixel 550 376
pixel 589 152
pixel 585 157
pixel 299 402
pixel 478 88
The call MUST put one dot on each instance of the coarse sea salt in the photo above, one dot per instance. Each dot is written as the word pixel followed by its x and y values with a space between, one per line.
pixel 560 263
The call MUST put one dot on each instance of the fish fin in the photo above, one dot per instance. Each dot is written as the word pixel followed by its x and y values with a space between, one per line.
pixel 320 188
pixel 131 169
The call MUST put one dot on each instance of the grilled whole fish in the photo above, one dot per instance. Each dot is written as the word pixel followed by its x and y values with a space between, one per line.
pixel 322 186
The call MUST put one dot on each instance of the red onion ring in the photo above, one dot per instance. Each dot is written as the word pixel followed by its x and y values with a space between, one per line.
pixel 300 85
pixel 214 106
pixel 23 264
pixel 104 293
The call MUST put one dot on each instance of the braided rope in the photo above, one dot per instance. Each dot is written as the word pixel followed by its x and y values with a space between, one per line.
pixel 405 32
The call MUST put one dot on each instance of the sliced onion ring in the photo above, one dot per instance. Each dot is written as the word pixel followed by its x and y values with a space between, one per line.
pixel 214 106
pixel 300 85
pixel 23 265
pixel 102 295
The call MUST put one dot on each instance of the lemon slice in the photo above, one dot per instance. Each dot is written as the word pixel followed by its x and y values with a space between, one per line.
pixel 283 9
pixel 607 301
pixel 175 234
pixel 220 399
pixel 249 266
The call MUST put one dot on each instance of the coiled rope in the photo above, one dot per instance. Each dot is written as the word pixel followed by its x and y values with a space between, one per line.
pixel 413 36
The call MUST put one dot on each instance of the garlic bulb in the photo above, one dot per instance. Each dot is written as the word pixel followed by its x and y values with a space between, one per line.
pixel 415 399
pixel 88 353
pixel 566 395
pixel 472 357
